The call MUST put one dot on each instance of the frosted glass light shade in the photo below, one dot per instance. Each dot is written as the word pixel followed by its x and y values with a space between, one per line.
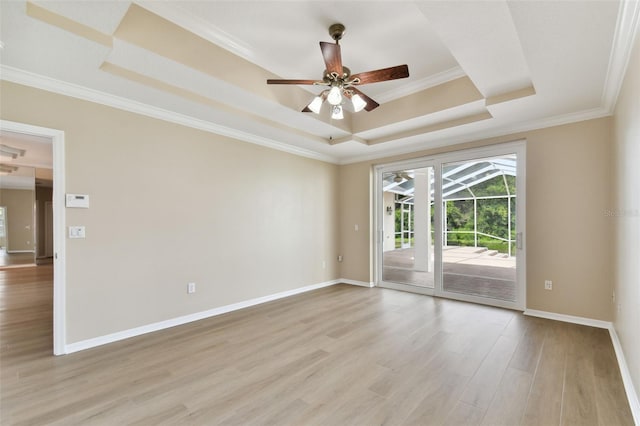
pixel 358 103
pixel 334 97
pixel 336 112
pixel 316 104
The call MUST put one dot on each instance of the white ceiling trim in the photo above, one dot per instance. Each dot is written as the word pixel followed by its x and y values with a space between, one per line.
pixel 544 123
pixel 193 23
pixel 422 84
pixel 626 29
pixel 45 83
pixel 490 34
pixel 592 95
pixel 27 78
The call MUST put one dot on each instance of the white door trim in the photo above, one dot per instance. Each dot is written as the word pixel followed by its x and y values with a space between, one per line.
pixel 48 229
pixel 59 241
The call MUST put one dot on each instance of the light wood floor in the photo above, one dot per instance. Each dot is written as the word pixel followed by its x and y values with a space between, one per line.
pixel 336 356
pixel 9 260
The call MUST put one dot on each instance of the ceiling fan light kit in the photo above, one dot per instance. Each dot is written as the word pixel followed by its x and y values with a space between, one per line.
pixel 340 81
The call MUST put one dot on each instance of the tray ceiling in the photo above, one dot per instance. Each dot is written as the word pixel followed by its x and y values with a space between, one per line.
pixel 477 69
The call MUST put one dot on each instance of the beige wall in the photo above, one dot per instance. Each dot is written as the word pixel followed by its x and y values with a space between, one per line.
pixel 355 192
pixel 172 205
pixel 19 204
pixel 568 236
pixel 626 215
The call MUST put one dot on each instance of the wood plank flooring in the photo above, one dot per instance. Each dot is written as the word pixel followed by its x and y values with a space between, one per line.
pixel 12 260
pixel 342 355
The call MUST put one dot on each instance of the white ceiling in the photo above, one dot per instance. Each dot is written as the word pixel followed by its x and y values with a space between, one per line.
pixel 37 156
pixel 477 68
pixel 37 150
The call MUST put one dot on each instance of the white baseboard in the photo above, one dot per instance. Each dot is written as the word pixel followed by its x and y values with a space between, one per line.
pixel 354 282
pixel 125 334
pixel 568 318
pixel 632 396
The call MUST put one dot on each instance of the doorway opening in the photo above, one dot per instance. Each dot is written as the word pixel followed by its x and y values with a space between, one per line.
pixel 50 248
pixel 451 225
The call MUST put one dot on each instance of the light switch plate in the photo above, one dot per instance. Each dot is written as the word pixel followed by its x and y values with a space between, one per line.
pixel 76 232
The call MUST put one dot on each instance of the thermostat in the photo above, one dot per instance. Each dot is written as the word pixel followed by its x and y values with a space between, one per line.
pixel 78 201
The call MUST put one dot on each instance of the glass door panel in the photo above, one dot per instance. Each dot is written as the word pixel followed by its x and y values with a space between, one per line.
pixel 407 227
pixel 479 203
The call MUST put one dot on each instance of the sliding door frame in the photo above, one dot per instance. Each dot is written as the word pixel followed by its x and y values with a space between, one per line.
pixel 436 161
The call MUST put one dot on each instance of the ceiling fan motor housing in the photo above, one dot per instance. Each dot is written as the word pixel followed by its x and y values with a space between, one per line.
pixel 336 31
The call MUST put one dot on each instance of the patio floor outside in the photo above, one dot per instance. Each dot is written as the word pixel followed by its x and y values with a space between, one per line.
pixel 467 270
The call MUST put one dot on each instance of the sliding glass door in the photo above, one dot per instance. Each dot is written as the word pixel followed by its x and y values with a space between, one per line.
pixel 479 251
pixel 451 225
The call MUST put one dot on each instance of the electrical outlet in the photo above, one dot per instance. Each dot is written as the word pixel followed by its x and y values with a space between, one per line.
pixel 339 258
pixel 548 285
pixel 191 288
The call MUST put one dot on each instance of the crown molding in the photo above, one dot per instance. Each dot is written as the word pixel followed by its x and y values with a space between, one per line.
pixel 38 81
pixel 590 114
pixel 626 29
pixel 26 78
pixel 421 84
pixel 171 11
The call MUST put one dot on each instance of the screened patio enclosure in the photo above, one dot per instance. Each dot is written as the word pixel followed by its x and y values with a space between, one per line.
pixel 478 227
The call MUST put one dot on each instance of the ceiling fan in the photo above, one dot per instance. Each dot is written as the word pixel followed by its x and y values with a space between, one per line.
pixel 401 177
pixel 340 82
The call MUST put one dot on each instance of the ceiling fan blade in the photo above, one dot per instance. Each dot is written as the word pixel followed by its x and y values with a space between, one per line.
pixel 332 57
pixel 385 74
pixel 371 104
pixel 278 81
